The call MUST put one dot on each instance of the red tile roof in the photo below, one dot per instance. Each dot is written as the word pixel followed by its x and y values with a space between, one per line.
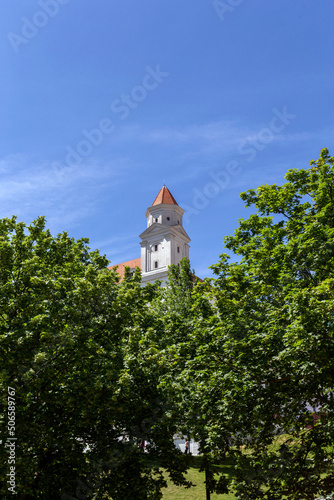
pixel 164 196
pixel 130 263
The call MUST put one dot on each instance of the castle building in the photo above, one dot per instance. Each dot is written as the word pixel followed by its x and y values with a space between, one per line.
pixel 164 241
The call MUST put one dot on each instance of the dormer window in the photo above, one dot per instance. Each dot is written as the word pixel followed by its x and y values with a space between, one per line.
pixel 178 222
pixel 155 248
pixel 156 220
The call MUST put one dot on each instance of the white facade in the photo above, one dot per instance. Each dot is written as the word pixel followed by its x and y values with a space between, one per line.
pixel 164 242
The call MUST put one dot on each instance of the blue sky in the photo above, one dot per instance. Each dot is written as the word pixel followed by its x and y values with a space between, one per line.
pixel 101 102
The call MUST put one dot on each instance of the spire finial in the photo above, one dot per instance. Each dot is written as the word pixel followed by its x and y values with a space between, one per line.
pixel 164 184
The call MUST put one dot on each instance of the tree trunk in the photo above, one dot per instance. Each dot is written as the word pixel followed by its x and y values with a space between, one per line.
pixel 208 496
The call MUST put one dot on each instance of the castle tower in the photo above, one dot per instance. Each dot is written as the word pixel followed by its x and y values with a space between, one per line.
pixel 164 242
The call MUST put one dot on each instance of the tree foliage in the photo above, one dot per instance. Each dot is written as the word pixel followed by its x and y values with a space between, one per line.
pixel 85 398
pixel 263 374
pixel 186 318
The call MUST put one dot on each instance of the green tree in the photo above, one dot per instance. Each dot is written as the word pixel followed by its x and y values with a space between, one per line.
pixel 263 373
pixel 84 398
pixel 184 313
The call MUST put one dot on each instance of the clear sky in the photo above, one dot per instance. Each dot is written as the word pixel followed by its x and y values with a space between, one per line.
pixel 102 101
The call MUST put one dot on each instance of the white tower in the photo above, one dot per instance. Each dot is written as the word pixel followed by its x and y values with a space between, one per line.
pixel 164 242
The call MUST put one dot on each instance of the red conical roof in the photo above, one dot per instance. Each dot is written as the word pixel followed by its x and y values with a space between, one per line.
pixel 164 196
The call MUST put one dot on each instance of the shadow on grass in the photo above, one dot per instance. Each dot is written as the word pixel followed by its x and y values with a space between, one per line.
pixel 224 467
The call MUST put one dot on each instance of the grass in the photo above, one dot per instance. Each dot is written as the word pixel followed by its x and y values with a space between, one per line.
pixel 196 492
